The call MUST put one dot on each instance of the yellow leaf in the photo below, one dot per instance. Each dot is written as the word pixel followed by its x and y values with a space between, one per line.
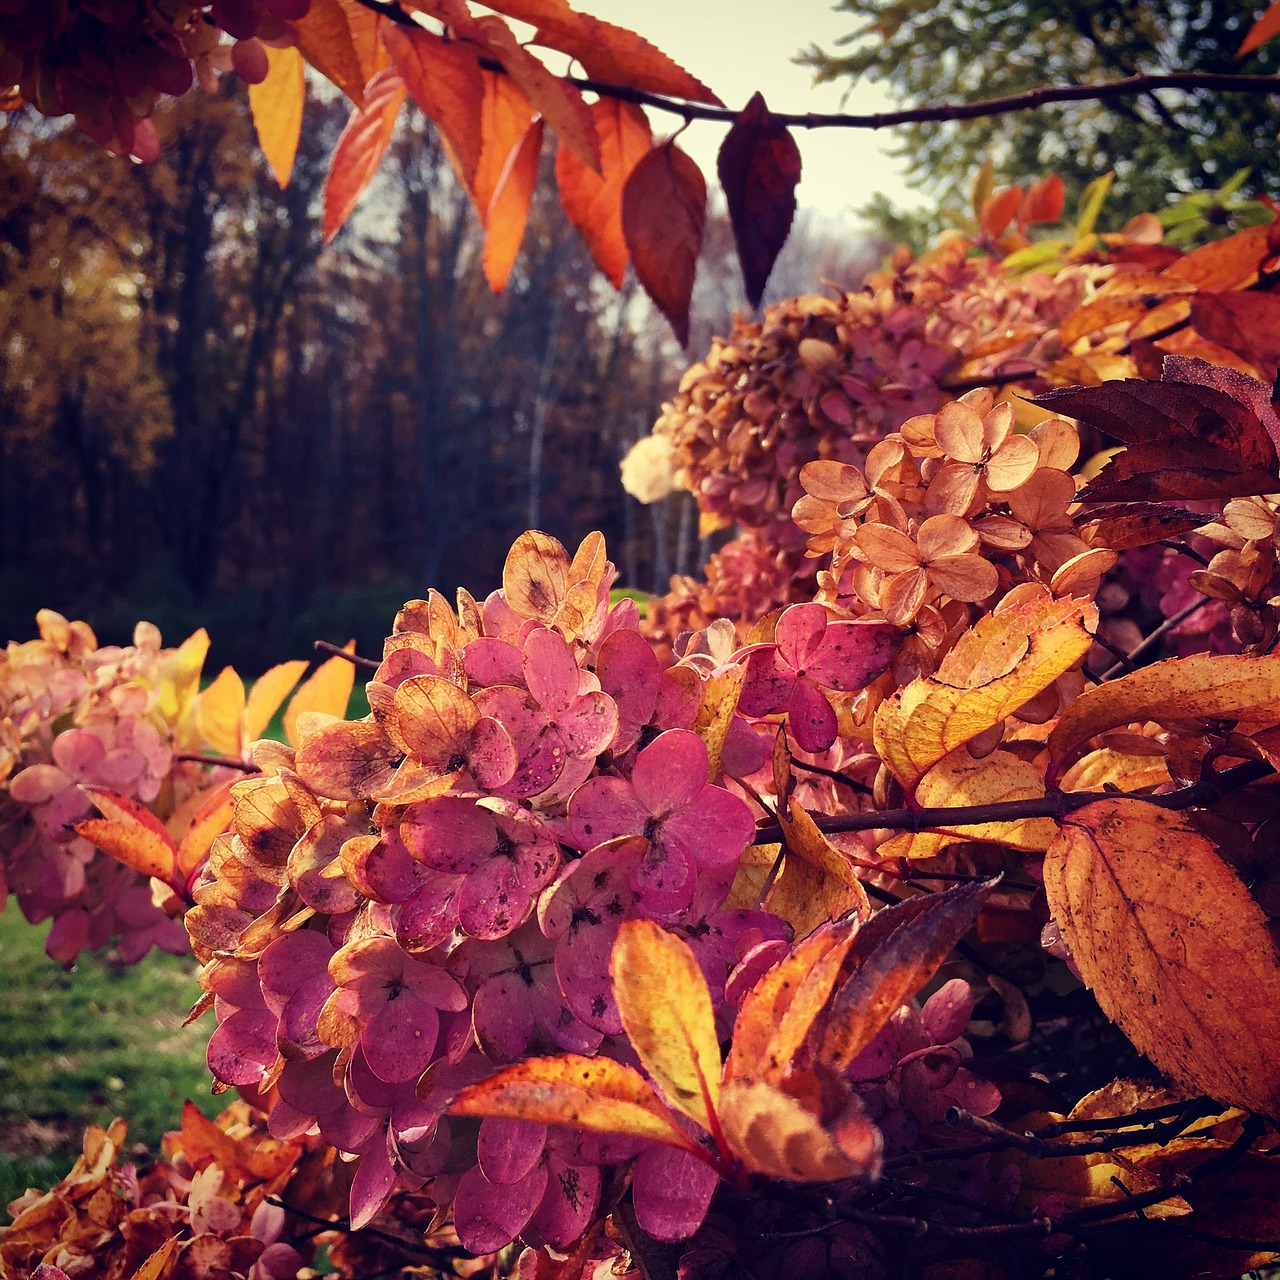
pixel 719 702
pixel 773 1134
pixel 158 1263
pixel 277 105
pixel 958 779
pixel 327 690
pixel 1174 948
pixel 268 692
pixel 220 714
pixel 585 1093
pixel 210 820
pixel 1002 663
pixel 817 882
pixel 181 679
pixel 666 1011
pixel 1121 770
pixel 1206 685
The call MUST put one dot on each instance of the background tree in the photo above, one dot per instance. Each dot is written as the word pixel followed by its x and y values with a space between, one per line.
pixel 1158 144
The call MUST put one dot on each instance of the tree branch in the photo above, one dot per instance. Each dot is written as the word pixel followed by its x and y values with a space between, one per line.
pixel 1057 804
pixel 1030 99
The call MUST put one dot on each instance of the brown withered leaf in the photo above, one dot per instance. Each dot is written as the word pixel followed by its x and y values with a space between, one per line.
pixel 759 167
pixel 893 955
pixel 1121 525
pixel 1175 950
pixel 664 210
pixel 1200 432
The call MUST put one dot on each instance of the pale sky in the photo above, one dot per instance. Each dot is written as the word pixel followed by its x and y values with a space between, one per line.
pixel 738 46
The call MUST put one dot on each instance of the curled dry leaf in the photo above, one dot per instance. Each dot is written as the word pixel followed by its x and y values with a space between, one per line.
pixel 1174 948
pixel 1003 662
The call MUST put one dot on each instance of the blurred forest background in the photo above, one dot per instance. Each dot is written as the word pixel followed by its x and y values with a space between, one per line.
pixel 209 419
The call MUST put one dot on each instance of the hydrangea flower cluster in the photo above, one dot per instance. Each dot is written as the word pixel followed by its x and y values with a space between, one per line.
pixel 75 716
pixel 408 902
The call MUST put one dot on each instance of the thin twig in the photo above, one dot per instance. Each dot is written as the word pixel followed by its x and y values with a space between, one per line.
pixel 194 757
pixel 834 774
pixel 1057 804
pixel 323 646
pixel 1156 636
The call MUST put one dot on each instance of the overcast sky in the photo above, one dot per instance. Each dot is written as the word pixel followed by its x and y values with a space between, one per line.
pixel 738 46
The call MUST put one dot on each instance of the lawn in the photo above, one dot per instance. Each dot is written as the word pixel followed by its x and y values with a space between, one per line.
pixel 99 1041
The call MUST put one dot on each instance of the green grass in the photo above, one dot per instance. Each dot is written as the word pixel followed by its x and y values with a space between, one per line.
pixel 100 1041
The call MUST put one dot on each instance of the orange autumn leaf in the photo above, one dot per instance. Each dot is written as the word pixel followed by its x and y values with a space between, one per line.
pixel 557 101
pixel 209 821
pixel 509 208
pixel 339 38
pixel 1267 26
pixel 776 1015
pixel 593 201
pixel 157 1265
pixel 444 78
pixel 220 714
pixel 832 887
pixel 1008 658
pixel 1232 263
pixel 588 1093
pixel 666 1011
pixel 1203 686
pixel 1174 948
pixel 360 148
pixel 131 834
pixel 505 117
pixel 774 1134
pixel 277 104
pixel 327 691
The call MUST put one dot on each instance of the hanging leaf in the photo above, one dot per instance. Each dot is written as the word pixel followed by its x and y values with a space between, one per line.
pixel 664 208
pixel 618 56
pixel 593 201
pixel 340 39
pixel 444 78
pixel 509 208
pixel 505 119
pixel 557 101
pixel 276 104
pixel 759 167
pixel 1172 945
pixel 360 148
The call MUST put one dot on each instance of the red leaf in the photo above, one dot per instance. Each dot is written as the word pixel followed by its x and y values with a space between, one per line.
pixel 1043 202
pixel 998 210
pixel 593 201
pixel 759 166
pixel 1247 323
pixel 1232 263
pixel 360 148
pixel 1266 26
pixel 445 80
pixel 509 208
pixel 340 39
pixel 664 210
pixel 619 56
pixel 559 102
pixel 1201 432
